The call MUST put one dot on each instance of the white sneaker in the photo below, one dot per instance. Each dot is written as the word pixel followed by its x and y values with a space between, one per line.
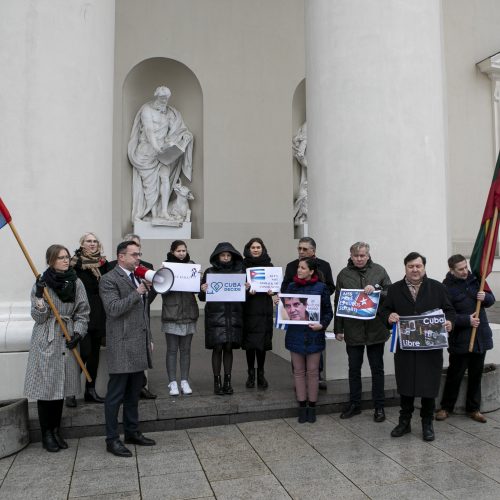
pixel 174 390
pixel 185 387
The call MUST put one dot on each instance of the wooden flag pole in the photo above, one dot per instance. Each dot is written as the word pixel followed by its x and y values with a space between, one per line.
pixel 47 297
pixel 483 274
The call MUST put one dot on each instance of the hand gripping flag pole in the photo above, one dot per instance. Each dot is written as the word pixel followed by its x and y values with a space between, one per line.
pixel 5 218
pixel 483 253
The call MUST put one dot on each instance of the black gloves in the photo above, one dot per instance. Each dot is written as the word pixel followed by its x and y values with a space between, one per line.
pixel 40 286
pixel 71 344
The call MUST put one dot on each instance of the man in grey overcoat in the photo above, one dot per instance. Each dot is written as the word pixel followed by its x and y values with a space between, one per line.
pixel 128 347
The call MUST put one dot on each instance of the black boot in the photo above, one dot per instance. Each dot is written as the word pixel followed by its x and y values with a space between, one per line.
pixel 261 381
pixel 49 442
pixel 311 414
pixel 59 440
pixel 218 385
pixel 250 384
pixel 402 428
pixel 227 389
pixel 302 418
pixel 91 396
pixel 427 429
pixel 71 401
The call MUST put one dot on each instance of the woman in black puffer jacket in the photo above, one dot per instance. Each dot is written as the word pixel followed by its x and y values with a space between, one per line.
pixel 257 316
pixel 223 320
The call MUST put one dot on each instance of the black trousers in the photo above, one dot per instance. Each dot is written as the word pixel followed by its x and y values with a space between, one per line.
pixel 49 413
pixel 122 388
pixel 90 349
pixel 428 406
pixel 375 354
pixel 473 362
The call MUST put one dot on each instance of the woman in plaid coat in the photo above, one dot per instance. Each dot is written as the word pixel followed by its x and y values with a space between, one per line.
pixel 52 372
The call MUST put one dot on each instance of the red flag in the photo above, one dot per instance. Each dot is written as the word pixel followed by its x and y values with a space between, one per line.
pixel 479 253
pixel 5 217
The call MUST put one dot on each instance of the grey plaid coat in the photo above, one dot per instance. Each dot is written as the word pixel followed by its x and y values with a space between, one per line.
pixel 52 371
pixel 128 338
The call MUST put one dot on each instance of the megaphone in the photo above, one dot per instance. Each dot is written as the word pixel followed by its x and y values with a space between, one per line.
pixel 162 280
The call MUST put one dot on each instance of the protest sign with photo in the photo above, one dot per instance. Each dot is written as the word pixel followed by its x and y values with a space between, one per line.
pixel 187 276
pixel 263 279
pixel 357 304
pixel 423 332
pixel 225 287
pixel 295 309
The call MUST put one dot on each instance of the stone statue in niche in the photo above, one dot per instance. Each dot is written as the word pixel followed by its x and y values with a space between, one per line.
pixel 160 149
pixel 299 147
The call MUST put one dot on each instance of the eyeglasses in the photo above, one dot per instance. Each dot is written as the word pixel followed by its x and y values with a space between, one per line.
pixel 91 241
pixel 304 249
pixel 63 257
pixel 136 254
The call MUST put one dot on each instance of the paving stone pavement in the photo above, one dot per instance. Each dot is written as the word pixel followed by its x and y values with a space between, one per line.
pixel 272 459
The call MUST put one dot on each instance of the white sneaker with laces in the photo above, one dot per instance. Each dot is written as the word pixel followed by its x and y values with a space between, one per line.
pixel 174 390
pixel 185 387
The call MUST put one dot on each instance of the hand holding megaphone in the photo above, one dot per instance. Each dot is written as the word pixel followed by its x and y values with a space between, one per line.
pixel 161 280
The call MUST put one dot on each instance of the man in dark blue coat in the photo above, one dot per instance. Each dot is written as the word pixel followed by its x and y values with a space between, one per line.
pixel 463 289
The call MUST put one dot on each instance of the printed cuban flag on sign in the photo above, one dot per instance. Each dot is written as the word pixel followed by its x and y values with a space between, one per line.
pixel 257 273
pixel 365 305
pixel 5 217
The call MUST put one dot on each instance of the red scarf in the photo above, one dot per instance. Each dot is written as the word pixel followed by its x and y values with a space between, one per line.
pixel 303 282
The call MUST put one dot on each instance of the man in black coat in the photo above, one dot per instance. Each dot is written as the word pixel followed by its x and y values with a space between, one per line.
pixel 418 373
pixel 463 288
pixel 307 248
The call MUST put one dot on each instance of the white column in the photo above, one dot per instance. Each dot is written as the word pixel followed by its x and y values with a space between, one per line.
pixel 376 145
pixel 57 60
pixel 491 67
pixel 56 104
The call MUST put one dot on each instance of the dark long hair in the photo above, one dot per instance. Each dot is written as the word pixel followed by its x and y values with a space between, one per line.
pixel 312 264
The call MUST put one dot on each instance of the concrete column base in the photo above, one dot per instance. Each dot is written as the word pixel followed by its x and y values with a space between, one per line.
pixel 14 434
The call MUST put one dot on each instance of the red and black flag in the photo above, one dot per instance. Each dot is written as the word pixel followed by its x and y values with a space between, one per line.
pixel 483 254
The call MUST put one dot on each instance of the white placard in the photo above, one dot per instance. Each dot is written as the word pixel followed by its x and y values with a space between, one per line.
pixel 263 279
pixel 187 276
pixel 225 287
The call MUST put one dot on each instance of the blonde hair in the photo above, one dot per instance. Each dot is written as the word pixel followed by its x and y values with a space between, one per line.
pixel 99 244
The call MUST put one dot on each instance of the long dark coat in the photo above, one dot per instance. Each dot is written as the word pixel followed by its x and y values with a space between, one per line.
pixel 258 322
pixel 223 320
pixel 97 322
pixel 418 373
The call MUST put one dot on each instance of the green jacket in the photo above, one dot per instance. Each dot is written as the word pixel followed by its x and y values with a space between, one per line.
pixel 360 332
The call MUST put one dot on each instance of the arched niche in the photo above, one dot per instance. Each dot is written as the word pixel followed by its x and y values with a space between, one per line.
pixel 298 118
pixel 138 87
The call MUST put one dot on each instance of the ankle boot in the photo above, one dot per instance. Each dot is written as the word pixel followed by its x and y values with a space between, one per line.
pixel 427 429
pixel 91 396
pixel 58 439
pixel 227 389
pixel 311 414
pixel 402 428
pixel 261 381
pixel 302 418
pixel 48 441
pixel 250 384
pixel 218 385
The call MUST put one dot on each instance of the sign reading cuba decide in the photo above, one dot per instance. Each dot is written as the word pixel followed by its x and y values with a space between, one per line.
pixel 187 276
pixel 225 287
